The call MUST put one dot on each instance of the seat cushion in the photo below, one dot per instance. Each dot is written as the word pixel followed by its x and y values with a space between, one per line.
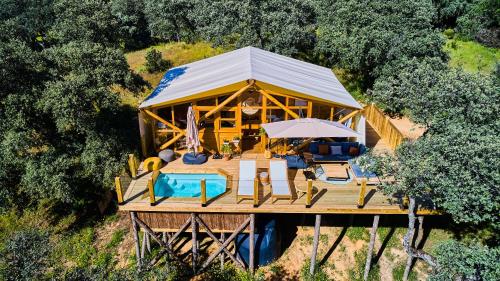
pixel 280 187
pixel 353 151
pixel 335 150
pixel 323 149
pixel 245 187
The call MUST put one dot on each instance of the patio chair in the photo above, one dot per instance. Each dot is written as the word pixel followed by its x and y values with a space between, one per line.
pixel 248 172
pixel 280 186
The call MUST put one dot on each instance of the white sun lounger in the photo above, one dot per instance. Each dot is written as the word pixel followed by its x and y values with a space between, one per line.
pixel 246 181
pixel 280 186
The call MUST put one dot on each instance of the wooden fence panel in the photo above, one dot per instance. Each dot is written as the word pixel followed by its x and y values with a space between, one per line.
pixel 383 126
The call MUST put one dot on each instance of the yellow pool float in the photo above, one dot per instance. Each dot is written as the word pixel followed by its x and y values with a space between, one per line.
pixel 152 164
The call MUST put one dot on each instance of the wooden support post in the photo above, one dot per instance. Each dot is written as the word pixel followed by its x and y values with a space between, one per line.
pixel 148 243
pixel 165 249
pixel 317 226
pixel 362 192
pixel 131 166
pixel 309 109
pixel 119 190
pixel 222 238
pixel 143 248
pixel 369 255
pixel 194 241
pixel 263 118
pixel 332 109
pixel 203 185
pixel 252 244
pixel 136 239
pixel 309 193
pixel 152 200
pixel 255 192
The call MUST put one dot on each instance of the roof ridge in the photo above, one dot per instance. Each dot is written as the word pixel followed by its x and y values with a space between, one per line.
pixel 250 63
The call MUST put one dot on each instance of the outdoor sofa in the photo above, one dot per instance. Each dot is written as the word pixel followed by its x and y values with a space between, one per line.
pixel 335 151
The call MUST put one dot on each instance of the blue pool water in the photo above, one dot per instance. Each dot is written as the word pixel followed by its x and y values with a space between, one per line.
pixel 188 185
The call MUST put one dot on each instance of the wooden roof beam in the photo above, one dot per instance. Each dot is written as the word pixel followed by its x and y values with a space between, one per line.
pixel 158 118
pixel 278 103
pixel 349 116
pixel 226 101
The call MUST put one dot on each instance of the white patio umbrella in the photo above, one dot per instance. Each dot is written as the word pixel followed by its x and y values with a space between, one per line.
pixel 192 139
pixel 308 128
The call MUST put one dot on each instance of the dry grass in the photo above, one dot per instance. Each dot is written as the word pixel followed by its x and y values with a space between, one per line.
pixel 178 53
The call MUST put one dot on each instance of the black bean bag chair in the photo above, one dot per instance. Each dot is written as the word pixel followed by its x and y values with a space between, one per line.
pixel 192 159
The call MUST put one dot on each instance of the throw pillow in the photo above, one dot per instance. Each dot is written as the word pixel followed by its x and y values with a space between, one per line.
pixel 323 149
pixel 336 150
pixel 353 151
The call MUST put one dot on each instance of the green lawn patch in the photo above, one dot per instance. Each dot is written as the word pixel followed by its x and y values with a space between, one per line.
pixel 472 56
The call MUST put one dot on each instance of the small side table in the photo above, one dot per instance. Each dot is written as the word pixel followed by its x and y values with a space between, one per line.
pixel 264 178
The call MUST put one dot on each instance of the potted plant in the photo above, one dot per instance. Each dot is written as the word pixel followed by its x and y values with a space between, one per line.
pixel 236 140
pixel 267 152
pixel 226 151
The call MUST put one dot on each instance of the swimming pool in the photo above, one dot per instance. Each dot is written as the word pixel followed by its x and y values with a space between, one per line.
pixel 188 185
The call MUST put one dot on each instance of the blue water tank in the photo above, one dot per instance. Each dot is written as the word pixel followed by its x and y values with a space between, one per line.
pixel 267 243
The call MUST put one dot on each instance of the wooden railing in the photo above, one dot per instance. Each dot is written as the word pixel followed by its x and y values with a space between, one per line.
pixel 382 125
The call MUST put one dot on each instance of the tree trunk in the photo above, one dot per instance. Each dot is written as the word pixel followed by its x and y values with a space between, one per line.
pixel 407 241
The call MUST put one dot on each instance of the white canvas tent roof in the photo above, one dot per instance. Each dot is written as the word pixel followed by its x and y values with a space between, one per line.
pixel 249 63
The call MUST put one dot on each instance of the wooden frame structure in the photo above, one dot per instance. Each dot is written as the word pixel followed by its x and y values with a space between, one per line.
pixel 194 222
pixel 223 116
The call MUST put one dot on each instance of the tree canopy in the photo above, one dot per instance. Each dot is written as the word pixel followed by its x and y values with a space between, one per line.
pixel 60 135
pixel 285 27
pixel 460 149
pixel 363 36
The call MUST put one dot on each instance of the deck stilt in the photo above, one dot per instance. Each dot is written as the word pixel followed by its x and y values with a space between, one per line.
pixel 252 244
pixel 369 255
pixel 222 238
pixel 143 248
pixel 317 225
pixel 148 243
pixel 136 239
pixel 194 242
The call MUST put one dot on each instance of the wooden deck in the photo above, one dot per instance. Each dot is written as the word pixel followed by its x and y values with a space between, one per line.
pixel 328 198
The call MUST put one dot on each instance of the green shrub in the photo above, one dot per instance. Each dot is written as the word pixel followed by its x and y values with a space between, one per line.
pixel 449 33
pixel 155 63
pixel 25 256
